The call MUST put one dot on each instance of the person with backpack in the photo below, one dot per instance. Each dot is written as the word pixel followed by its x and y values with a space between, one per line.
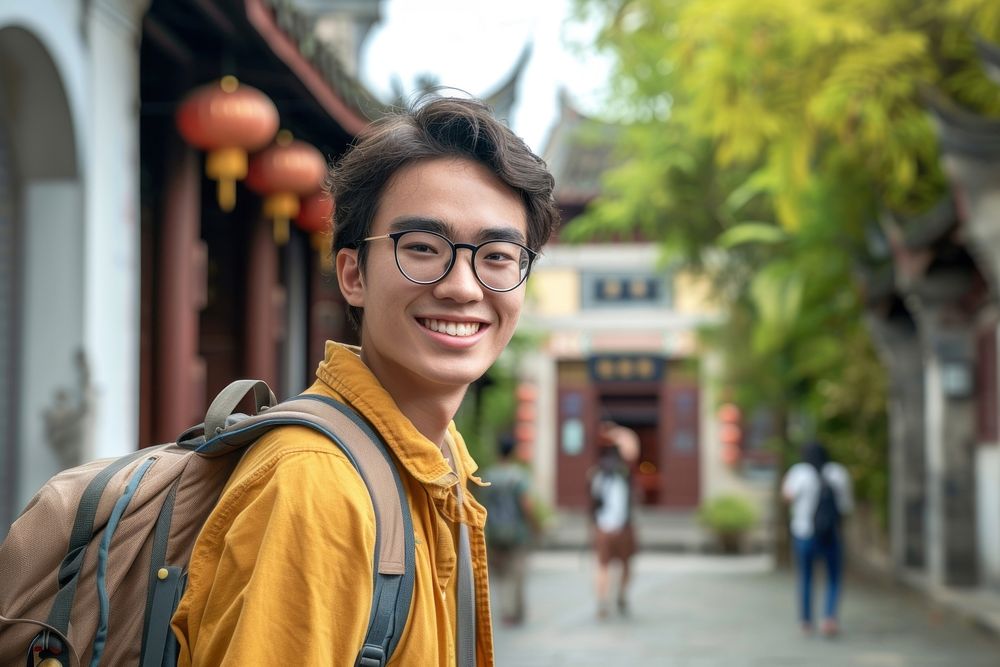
pixel 611 499
pixel 439 212
pixel 820 494
pixel 334 528
pixel 510 525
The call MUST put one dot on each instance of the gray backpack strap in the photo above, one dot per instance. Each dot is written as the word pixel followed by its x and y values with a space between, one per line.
pixel 394 551
pixel 465 640
pixel 232 396
pixel 52 644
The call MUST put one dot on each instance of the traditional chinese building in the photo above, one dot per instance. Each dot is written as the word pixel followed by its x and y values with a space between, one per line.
pixel 133 286
pixel 69 251
pixel 617 336
pixel 126 289
pixel 934 317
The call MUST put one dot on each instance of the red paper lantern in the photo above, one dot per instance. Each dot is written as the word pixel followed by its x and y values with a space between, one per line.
pixel 525 413
pixel 227 119
pixel 283 173
pixel 315 214
pixel 316 217
pixel 731 433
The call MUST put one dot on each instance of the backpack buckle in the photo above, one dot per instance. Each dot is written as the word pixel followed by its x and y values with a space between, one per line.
pixel 46 649
pixel 371 655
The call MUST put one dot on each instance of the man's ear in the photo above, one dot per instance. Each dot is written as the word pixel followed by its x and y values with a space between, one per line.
pixel 349 277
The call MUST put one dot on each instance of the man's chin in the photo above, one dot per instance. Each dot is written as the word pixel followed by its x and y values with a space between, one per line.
pixel 456 376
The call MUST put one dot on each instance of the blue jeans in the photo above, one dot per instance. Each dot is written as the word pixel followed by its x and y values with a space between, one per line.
pixel 807 551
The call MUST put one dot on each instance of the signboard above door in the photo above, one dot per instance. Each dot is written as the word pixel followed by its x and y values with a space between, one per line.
pixel 626 368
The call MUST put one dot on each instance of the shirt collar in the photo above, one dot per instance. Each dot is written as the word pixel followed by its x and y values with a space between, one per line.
pixel 343 372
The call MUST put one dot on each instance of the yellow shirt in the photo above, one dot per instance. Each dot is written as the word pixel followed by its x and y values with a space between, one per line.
pixel 282 572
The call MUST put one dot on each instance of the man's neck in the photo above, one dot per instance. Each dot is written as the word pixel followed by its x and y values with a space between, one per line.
pixel 430 409
pixel 430 414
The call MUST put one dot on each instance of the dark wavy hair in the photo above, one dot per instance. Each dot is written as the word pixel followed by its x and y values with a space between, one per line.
pixel 434 127
pixel 506 444
pixel 816 454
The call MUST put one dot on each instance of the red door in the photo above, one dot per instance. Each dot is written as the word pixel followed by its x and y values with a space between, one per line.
pixel 576 422
pixel 679 459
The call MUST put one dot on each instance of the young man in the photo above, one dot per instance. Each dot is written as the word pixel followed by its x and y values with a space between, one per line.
pixel 439 213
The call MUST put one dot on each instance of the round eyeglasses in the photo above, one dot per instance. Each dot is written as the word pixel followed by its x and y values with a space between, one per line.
pixel 427 257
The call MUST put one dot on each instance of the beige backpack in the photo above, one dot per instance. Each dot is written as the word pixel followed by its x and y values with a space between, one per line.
pixel 93 569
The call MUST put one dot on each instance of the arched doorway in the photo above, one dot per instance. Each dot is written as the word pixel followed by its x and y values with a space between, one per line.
pixel 41 291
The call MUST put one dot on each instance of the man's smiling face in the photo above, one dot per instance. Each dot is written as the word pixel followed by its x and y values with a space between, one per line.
pixel 449 333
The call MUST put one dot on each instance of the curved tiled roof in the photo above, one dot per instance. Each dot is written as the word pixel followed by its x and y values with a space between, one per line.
pixel 989 54
pixel 579 151
pixel 298 25
pixel 961 131
pixel 503 99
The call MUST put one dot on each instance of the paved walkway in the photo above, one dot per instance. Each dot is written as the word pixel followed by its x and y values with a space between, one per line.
pixel 713 611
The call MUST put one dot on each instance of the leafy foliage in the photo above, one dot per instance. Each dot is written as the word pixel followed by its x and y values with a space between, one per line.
pixel 488 408
pixel 728 514
pixel 764 138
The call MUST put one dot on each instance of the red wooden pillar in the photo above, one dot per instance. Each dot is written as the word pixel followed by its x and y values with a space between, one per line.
pixel 181 291
pixel 327 315
pixel 265 308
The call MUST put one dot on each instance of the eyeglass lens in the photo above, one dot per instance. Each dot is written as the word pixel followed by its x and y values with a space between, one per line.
pixel 425 257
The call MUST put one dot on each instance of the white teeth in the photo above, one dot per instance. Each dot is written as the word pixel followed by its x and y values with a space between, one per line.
pixel 459 329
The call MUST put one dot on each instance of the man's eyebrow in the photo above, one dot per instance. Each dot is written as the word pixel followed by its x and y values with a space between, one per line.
pixel 501 234
pixel 425 224
pixel 419 223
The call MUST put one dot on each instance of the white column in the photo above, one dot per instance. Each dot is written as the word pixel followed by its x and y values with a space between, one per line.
pixel 111 243
pixel 934 456
pixel 540 368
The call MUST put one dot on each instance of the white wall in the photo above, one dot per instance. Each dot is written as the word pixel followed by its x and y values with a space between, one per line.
pixel 56 24
pixel 42 70
pixel 988 513
pixel 81 220
pixel 53 314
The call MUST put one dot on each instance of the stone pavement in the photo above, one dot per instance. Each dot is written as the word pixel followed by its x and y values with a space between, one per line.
pixel 693 610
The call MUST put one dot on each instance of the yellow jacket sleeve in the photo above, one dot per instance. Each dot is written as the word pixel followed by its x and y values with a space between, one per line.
pixel 282 571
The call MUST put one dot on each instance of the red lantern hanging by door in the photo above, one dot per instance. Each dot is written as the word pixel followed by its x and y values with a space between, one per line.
pixel 316 218
pixel 731 433
pixel 283 174
pixel 228 119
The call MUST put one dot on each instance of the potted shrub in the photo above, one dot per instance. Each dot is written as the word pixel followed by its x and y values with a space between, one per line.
pixel 729 517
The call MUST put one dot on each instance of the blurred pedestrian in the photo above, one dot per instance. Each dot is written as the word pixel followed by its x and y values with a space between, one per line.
pixel 611 493
pixel 820 493
pixel 510 524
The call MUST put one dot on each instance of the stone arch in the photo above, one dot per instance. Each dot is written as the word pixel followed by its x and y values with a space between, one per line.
pixel 43 220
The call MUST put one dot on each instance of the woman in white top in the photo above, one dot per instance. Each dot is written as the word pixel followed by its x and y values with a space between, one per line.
pixel 610 482
pixel 820 492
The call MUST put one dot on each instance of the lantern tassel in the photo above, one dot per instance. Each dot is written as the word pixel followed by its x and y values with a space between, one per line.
pixel 324 250
pixel 281 230
pixel 226 165
pixel 227 194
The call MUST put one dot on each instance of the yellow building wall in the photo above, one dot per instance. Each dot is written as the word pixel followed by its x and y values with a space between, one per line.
pixel 692 294
pixel 555 292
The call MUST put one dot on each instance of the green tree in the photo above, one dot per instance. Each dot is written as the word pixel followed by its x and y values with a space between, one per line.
pixel 765 137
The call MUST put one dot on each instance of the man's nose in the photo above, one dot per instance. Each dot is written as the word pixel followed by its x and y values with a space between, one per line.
pixel 461 283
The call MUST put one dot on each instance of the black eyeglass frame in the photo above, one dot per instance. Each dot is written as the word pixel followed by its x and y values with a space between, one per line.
pixel 455 247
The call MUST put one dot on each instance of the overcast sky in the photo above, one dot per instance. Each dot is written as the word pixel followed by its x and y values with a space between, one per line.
pixel 473 45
